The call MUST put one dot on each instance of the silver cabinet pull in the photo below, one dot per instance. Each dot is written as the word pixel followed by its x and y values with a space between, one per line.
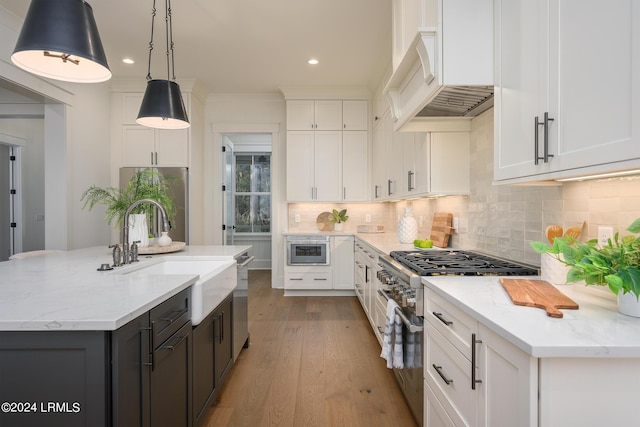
pixel 545 123
pixel 375 191
pixel 547 119
pixel 389 187
pixel 474 381
pixel 410 186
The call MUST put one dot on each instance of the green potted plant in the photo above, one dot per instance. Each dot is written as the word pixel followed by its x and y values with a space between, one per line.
pixel 615 265
pixel 338 217
pixel 147 183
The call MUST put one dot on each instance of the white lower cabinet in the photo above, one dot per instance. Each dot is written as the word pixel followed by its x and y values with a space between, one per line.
pixel 509 389
pixel 339 275
pixel 342 262
pixel 482 380
pixel 308 278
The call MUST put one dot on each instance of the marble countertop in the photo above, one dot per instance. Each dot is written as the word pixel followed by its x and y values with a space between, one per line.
pixel 64 291
pixel 596 329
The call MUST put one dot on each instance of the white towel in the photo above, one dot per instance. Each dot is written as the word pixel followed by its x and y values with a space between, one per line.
pixel 392 341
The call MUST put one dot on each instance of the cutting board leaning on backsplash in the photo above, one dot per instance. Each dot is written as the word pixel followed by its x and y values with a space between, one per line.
pixel 441 229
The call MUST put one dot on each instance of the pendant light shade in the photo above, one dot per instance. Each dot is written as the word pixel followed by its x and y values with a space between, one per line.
pixel 162 106
pixel 59 40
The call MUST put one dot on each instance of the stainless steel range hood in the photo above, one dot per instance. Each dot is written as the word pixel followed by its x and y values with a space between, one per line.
pixel 444 75
pixel 459 101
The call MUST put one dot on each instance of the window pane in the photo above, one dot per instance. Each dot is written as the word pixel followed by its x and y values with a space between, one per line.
pixel 262 174
pixel 261 208
pixel 243 214
pixel 243 174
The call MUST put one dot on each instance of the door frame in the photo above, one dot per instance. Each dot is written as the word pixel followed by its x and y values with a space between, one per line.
pixel 16 201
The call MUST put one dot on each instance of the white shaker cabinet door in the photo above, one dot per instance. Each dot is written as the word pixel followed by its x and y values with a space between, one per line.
pixel 300 169
pixel 355 115
pixel 328 166
pixel 354 166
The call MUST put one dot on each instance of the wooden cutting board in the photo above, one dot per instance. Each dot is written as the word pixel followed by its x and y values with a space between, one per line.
pixel 538 293
pixel 441 229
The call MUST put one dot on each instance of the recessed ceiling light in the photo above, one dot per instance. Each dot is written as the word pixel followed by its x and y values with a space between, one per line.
pixel 313 61
pixel 128 61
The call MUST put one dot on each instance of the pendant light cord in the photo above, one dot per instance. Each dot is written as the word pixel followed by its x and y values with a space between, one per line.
pixel 171 73
pixel 153 20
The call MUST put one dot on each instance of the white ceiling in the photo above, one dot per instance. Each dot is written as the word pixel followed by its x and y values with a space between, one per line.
pixel 249 46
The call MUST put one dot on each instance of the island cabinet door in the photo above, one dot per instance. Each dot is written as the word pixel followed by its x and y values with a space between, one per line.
pixel 53 378
pixel 131 364
pixel 204 375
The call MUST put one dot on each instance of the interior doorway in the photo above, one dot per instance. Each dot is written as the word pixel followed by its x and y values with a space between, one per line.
pixel 11 229
pixel 246 204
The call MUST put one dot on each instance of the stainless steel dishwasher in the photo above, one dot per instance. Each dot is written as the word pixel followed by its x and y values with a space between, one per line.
pixel 240 305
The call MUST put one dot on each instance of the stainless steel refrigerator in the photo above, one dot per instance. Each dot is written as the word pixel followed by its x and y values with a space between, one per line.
pixel 179 184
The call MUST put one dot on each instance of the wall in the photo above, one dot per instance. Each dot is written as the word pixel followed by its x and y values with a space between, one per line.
pixel 227 114
pixel 76 140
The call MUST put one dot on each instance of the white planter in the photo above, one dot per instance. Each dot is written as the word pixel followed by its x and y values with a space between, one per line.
pixel 138 230
pixel 628 304
pixel 553 270
pixel 338 226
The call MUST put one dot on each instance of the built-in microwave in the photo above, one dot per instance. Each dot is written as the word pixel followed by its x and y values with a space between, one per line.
pixel 308 250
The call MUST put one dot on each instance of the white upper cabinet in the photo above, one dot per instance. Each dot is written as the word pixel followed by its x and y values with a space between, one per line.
pixel 327 151
pixel 355 115
pixel 314 166
pixel 144 146
pixel 314 115
pixel 577 63
pixel 354 166
pixel 327 115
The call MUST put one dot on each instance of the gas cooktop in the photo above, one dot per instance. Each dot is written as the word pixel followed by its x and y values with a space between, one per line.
pixel 458 262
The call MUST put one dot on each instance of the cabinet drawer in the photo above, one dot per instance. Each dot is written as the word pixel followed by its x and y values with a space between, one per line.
pixel 448 373
pixel 308 280
pixel 455 325
pixel 169 316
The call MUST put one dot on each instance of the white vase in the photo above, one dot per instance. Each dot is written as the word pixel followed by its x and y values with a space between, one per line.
pixel 407 227
pixel 628 304
pixel 164 239
pixel 338 226
pixel 138 230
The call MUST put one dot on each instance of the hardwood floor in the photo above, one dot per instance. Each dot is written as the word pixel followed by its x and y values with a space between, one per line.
pixel 312 361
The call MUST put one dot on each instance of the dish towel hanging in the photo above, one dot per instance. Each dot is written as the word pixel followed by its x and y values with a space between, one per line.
pixel 413 350
pixel 392 341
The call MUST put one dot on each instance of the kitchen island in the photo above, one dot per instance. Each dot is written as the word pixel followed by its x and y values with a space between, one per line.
pixel 529 369
pixel 85 347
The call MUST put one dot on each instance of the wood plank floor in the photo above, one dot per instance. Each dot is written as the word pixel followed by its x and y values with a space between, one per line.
pixel 312 361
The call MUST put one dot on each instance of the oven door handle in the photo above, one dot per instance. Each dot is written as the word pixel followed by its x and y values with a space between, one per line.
pixel 412 327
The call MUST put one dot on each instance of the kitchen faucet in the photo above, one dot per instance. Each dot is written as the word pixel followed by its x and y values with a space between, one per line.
pixel 166 225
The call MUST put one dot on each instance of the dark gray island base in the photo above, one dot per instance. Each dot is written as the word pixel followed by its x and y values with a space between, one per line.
pixel 137 375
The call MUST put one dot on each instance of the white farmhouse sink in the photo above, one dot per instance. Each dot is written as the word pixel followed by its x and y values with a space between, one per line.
pixel 218 278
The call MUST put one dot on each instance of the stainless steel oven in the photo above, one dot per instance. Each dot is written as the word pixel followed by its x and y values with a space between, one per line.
pixel 308 250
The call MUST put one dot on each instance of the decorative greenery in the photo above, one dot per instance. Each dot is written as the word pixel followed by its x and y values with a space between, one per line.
pixel 616 265
pixel 339 216
pixel 147 183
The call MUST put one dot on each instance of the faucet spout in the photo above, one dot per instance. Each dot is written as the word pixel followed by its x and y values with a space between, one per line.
pixel 166 225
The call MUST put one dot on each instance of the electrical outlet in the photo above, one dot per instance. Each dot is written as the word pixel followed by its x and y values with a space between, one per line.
pixel 367 218
pixel 604 234
pixel 456 223
pixel 296 218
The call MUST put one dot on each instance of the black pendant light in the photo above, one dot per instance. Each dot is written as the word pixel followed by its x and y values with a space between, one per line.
pixel 59 40
pixel 162 106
